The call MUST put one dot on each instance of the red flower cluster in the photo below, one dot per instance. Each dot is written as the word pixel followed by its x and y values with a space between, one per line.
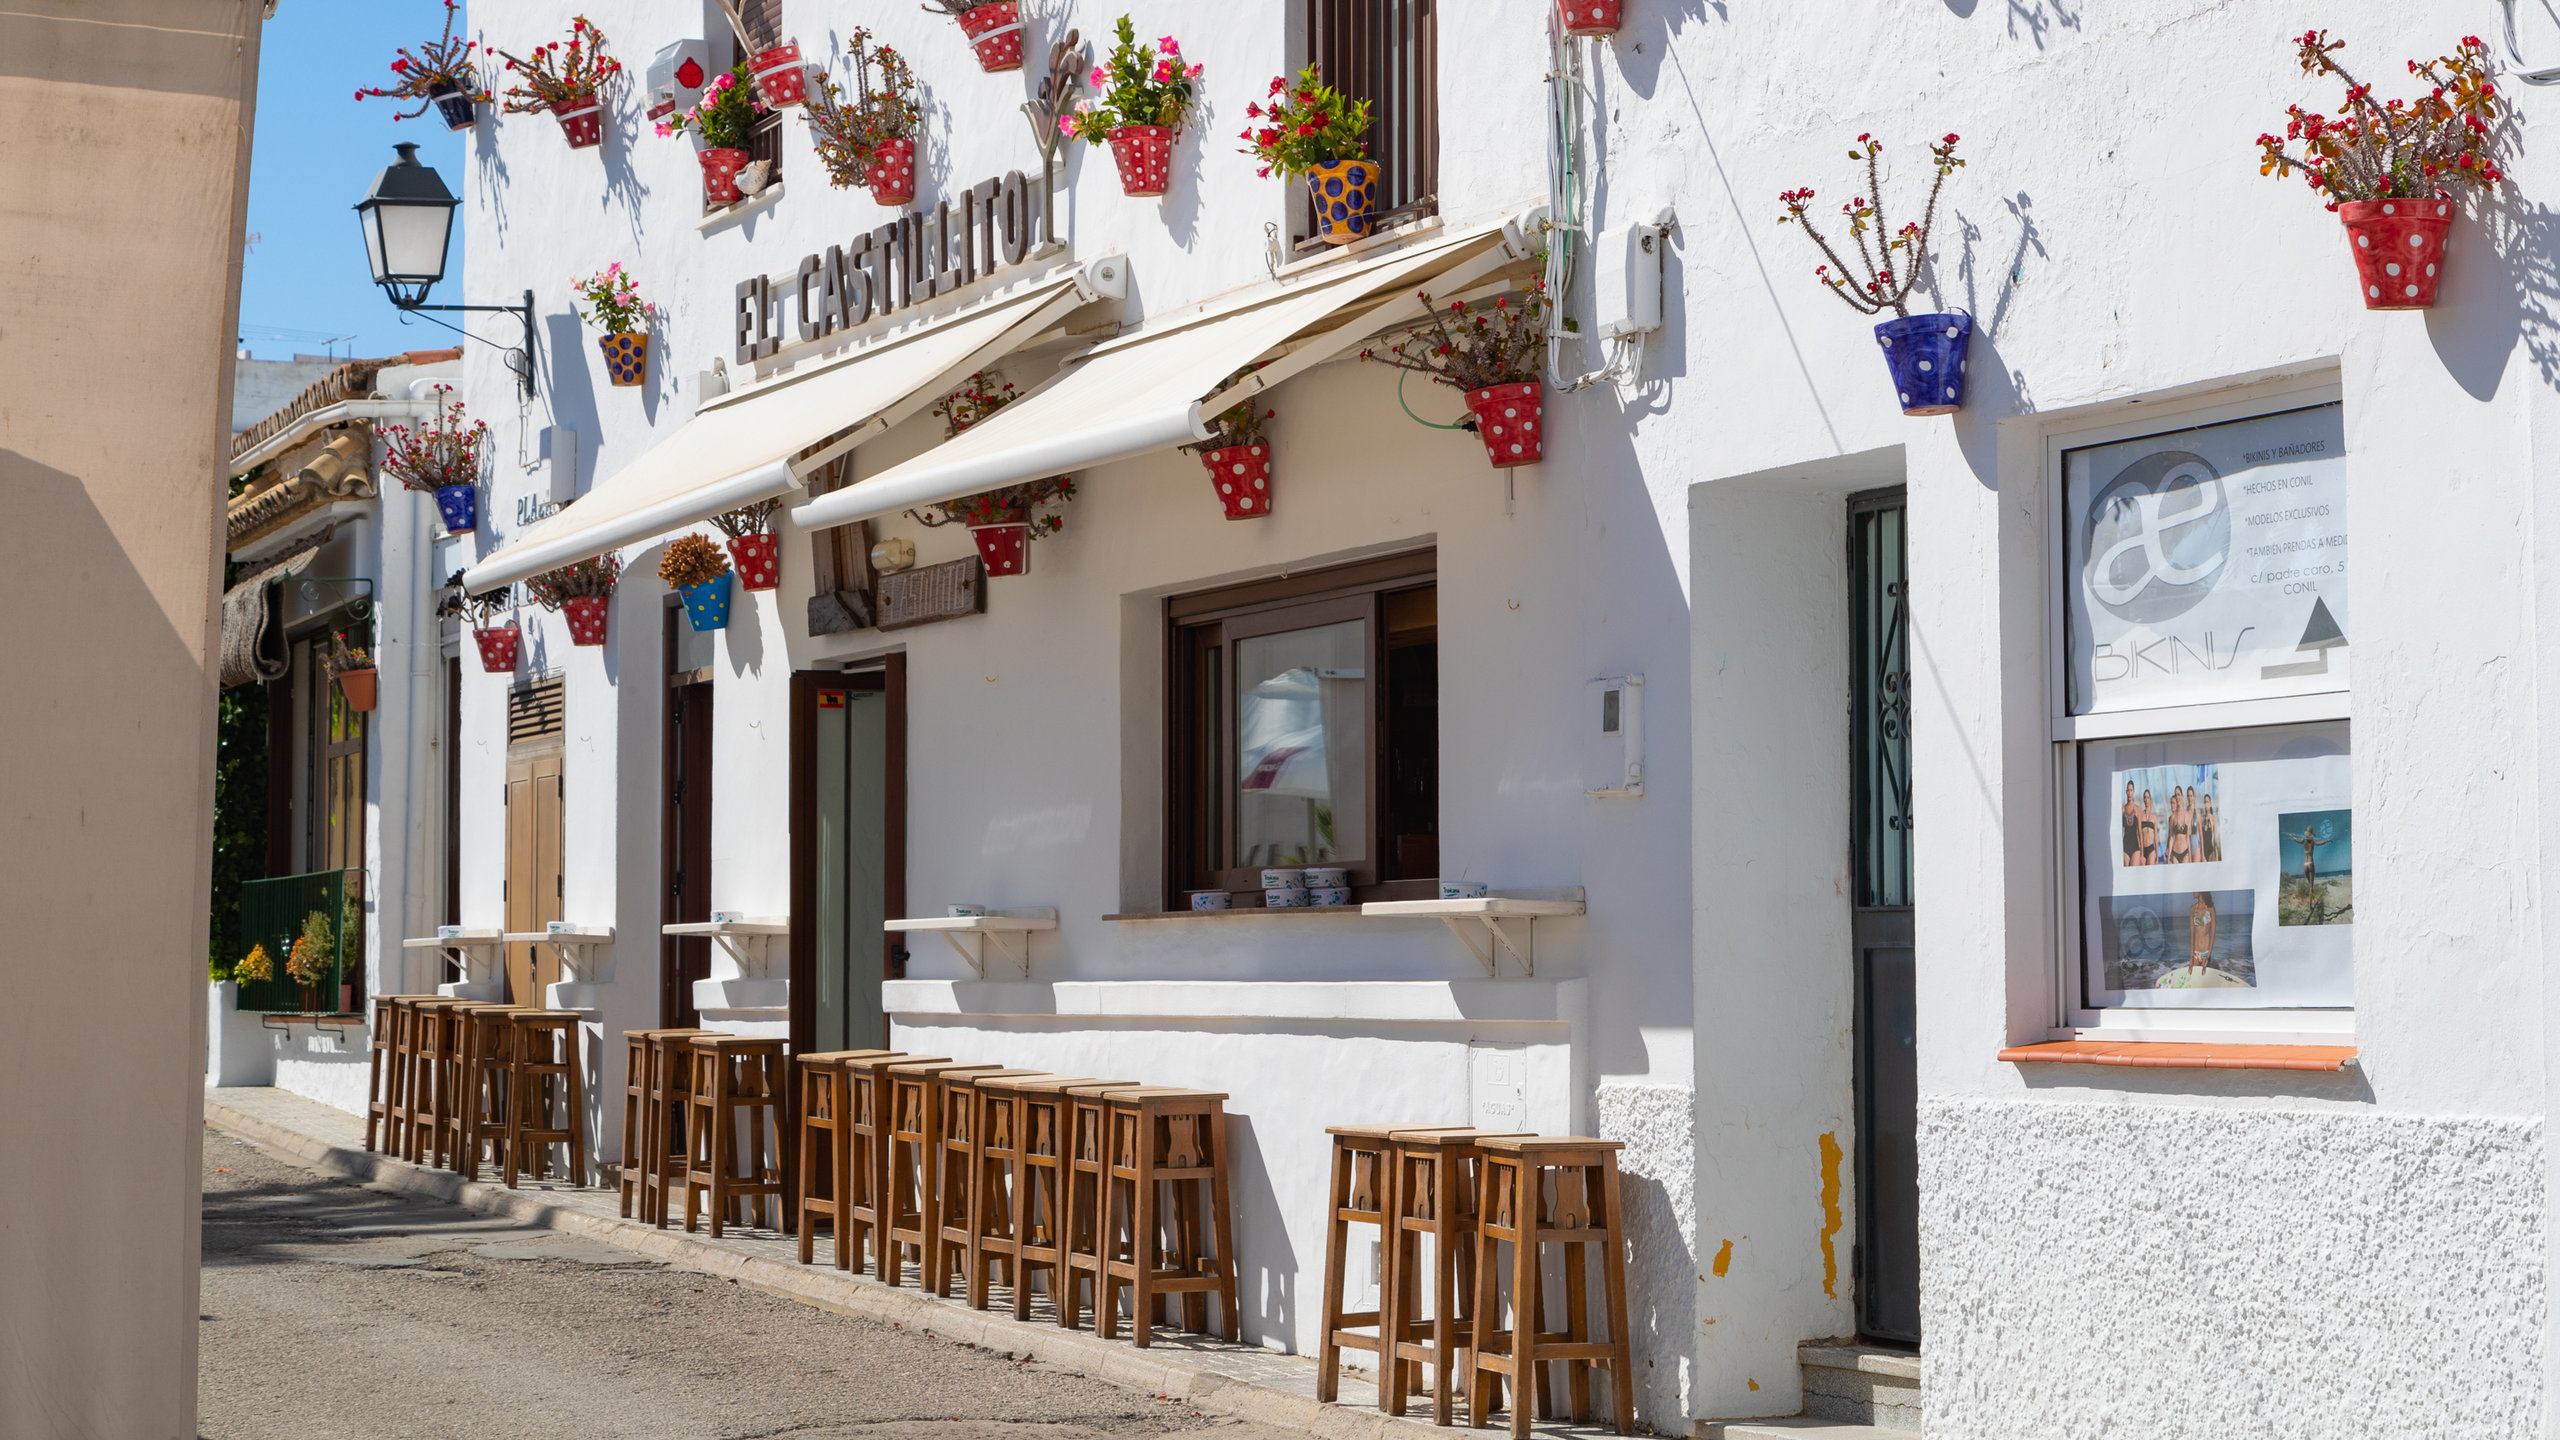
pixel 2395 149
pixel 1883 289
pixel 561 73
pixel 439 68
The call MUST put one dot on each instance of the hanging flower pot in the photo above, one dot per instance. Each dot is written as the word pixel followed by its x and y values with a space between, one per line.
pixel 1005 545
pixel 457 107
pixel 1341 193
pixel 1242 474
pixel 582 120
pixel 1590 17
pixel 586 618
pixel 1508 420
pixel 707 605
pixel 2399 248
pixel 759 560
pixel 1926 354
pixel 720 167
pixel 626 357
pixel 995 32
pixel 498 647
pixel 359 687
pixel 1145 156
pixel 892 173
pixel 780 77
pixel 459 507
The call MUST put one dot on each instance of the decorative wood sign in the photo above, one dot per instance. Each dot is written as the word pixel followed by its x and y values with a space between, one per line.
pixel 933 592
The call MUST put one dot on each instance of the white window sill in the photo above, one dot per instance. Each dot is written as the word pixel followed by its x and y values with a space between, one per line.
pixel 755 204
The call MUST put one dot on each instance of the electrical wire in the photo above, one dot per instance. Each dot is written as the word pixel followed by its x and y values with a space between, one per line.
pixel 1401 374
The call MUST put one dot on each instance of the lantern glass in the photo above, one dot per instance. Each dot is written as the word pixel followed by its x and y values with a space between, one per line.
pixel 407 222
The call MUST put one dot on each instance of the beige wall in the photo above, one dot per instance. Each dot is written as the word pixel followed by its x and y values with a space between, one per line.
pixel 124 149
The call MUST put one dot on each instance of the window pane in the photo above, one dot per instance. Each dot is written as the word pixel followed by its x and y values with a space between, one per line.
pixel 2219 869
pixel 1302 751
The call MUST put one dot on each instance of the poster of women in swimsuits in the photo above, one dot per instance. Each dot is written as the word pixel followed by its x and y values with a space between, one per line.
pixel 2182 940
pixel 2170 815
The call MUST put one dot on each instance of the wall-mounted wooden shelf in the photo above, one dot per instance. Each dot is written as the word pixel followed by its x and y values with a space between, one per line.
pixel 739 935
pixel 1006 932
pixel 1508 920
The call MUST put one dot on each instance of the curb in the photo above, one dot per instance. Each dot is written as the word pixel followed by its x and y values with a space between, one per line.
pixel 1199 1384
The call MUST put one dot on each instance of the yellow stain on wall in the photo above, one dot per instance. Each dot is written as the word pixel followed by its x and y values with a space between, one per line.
pixel 1724 1259
pixel 1754 1384
pixel 1830 1212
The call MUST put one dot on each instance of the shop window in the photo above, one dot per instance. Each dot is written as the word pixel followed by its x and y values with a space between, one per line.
pixel 2204 683
pixel 1305 730
pixel 1387 53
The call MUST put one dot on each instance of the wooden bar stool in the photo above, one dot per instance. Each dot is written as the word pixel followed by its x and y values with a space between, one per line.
pixel 1535 1192
pixel 915 1162
pixel 1437 1174
pixel 1363 1174
pixel 1087 1112
pixel 1165 1229
pixel 867 1110
pixel 546 1050
pixel 383 1085
pixel 1038 1241
pixel 736 1106
pixel 665 1122
pixel 639 1121
pixel 430 1033
pixel 960 1186
pixel 827 1183
pixel 486 1070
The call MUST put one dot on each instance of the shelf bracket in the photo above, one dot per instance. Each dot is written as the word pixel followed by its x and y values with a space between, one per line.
pixel 1512 935
pixel 1011 946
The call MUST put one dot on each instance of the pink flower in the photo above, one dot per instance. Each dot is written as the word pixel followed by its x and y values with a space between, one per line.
pixel 1066 125
pixel 1163 72
pixel 1169 45
pixel 1195 70
pixel 1100 77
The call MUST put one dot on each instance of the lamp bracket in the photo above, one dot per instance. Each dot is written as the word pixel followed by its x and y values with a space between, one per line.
pixel 520 359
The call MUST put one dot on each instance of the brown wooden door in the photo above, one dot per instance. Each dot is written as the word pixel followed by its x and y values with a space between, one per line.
pixel 685 850
pixel 533 871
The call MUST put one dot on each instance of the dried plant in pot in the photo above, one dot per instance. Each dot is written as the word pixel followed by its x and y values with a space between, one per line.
pixel 1494 352
pixel 1142 94
pixel 445 458
pixel 1002 521
pixel 994 28
pixel 313 960
pixel 1310 130
pixel 351 665
pixel 694 568
pixel 439 74
pixel 583 592
pixel 722 123
pixel 867 136
pixel 752 543
pixel 2394 170
pixel 1925 354
pixel 493 631
pixel 567 78
pixel 1238 455
pixel 611 298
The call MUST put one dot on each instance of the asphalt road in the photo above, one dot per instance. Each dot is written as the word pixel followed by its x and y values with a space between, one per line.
pixel 340 1313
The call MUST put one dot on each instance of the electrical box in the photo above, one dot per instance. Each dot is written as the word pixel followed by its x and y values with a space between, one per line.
pixel 1613 709
pixel 560 448
pixel 1626 279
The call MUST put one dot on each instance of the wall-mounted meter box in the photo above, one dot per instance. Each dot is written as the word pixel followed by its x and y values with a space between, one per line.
pixel 1626 279
pixel 1613 720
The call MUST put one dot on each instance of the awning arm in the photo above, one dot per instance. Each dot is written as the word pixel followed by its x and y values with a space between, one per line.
pixel 765 482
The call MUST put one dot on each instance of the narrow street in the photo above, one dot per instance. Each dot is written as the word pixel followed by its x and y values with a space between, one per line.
pixel 331 1310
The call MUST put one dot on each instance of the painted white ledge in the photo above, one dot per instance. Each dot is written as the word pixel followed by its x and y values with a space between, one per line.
pixel 741 995
pixel 737 211
pixel 1369 1001
pixel 490 990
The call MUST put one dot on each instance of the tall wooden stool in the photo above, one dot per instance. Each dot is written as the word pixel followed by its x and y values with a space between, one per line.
pixel 430 1036
pixel 827 1182
pixel 960 1186
pixel 546 1050
pixel 735 1108
pixel 1438 1172
pixel 487 1066
pixel 1536 1192
pixel 383 1085
pixel 1037 1182
pixel 1086 1110
pixel 915 1161
pixel 665 1122
pixel 1165 1229
pixel 867 1123
pixel 1363 1175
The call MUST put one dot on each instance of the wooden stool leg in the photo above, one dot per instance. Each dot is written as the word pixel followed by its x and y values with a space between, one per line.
pixel 1526 1376
pixel 1482 1382
pixel 1613 1279
pixel 1444 1288
pixel 577 1088
pixel 1337 1238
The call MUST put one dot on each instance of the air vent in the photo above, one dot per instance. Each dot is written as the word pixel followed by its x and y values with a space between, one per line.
pixel 533 711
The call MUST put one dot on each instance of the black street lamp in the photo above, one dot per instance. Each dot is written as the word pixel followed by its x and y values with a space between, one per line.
pixel 408 225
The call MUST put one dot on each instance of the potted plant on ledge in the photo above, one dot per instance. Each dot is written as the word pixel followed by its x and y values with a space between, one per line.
pixel 1142 96
pixel 869 137
pixel 1238 456
pixel 694 568
pixel 721 123
pixel 443 458
pixel 439 74
pixel 1001 521
pixel 567 79
pixel 994 28
pixel 313 960
pixel 1924 353
pixel 1311 131
pixel 499 644
pixel 613 301
pixel 2392 169
pixel 752 543
pixel 582 591
pixel 1495 354
pixel 351 664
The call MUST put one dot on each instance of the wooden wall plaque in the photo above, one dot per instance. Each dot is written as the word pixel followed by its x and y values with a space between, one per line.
pixel 933 592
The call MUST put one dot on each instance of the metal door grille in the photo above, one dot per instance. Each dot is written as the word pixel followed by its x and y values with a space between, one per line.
pixel 1387 53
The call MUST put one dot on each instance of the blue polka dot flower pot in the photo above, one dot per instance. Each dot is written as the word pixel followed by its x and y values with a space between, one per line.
pixel 1926 354
pixel 1341 192
pixel 459 507
pixel 707 605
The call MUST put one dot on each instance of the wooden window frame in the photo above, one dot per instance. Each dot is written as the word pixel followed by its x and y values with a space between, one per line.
pixel 1200 736
pixel 1386 52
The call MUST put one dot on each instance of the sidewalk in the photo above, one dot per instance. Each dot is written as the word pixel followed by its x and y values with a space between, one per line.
pixel 1262 1386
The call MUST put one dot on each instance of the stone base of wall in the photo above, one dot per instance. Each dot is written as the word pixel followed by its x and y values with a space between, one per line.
pixel 2094 1269
pixel 1657 1180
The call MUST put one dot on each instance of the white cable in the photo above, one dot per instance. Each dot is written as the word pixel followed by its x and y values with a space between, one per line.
pixel 2549 75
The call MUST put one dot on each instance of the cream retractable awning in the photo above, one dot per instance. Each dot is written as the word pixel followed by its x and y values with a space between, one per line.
pixel 1144 392
pixel 737 449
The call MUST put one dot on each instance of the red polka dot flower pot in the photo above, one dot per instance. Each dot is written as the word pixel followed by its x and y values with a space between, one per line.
pixel 2399 249
pixel 1590 17
pixel 720 167
pixel 582 121
pixel 995 32
pixel 1145 156
pixel 892 173
pixel 1926 356
pixel 626 357
pixel 759 560
pixel 499 646
pixel 586 618
pixel 1242 474
pixel 1510 421
pixel 706 606
pixel 780 77
pixel 1005 546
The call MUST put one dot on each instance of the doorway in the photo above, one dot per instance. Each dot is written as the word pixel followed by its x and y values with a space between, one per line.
pixel 533 884
pixel 1887 1265
pixel 848 853
pixel 684 828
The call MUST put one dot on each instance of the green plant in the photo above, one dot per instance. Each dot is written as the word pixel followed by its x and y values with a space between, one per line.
pixel 2394 149
pixel 1306 126
pixel 613 300
pixel 850 128
pixel 1134 85
pixel 1472 347
pixel 560 73
pixel 450 451
pixel 746 520
pixel 436 69
pixel 314 956
pixel 692 560
pixel 351 649
pixel 725 115
pixel 1884 288
pixel 255 968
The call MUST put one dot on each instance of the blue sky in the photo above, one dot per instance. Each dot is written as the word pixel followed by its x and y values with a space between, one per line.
pixel 316 152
